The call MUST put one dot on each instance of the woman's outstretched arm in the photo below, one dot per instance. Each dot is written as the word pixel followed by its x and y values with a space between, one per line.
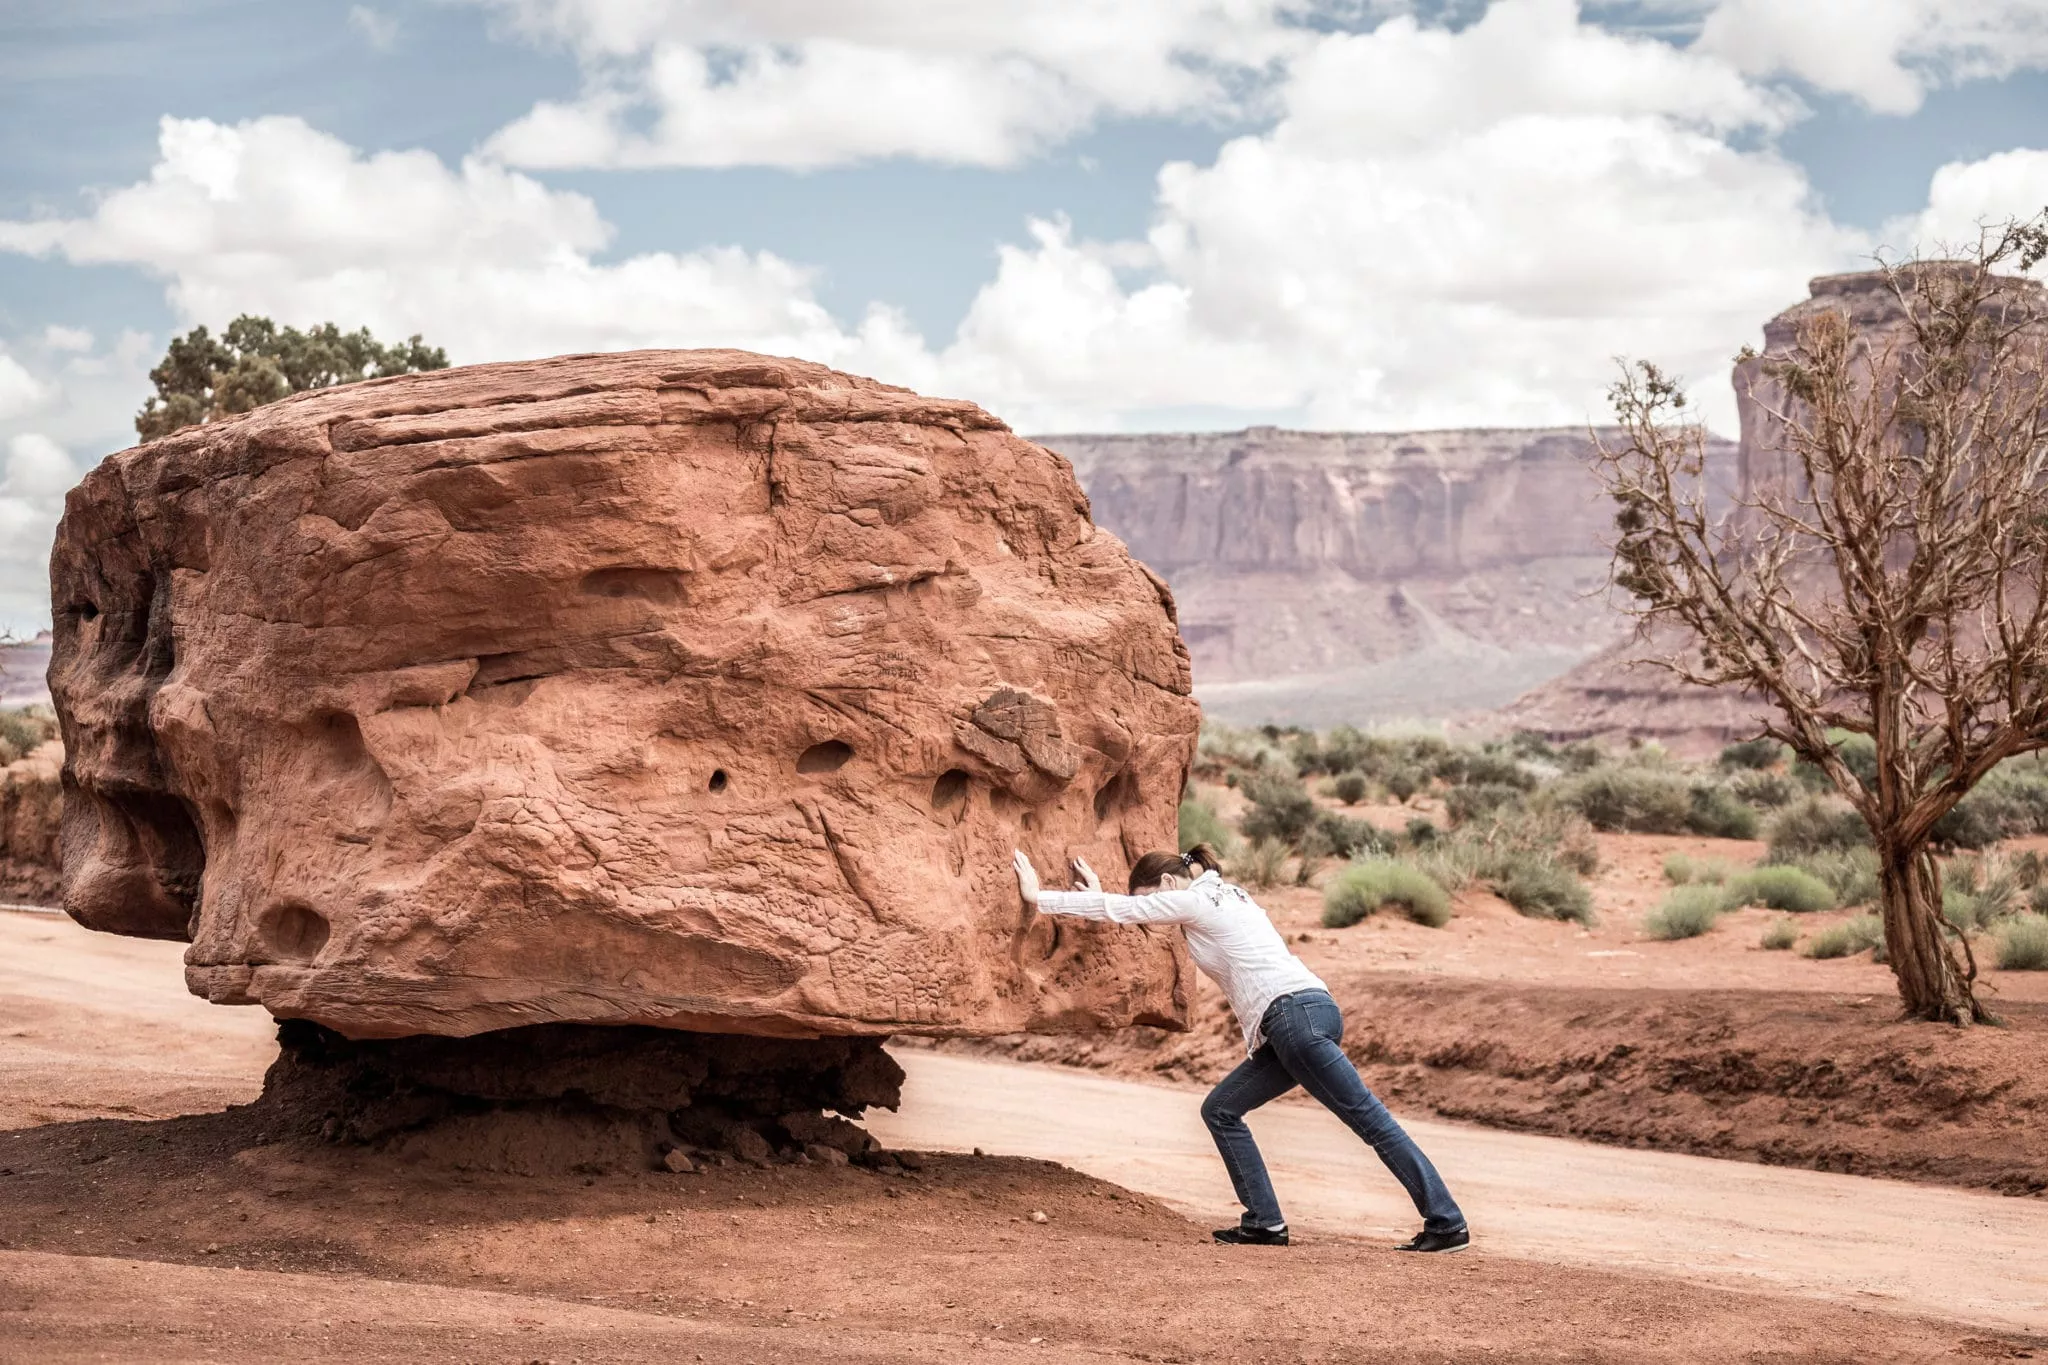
pixel 1161 907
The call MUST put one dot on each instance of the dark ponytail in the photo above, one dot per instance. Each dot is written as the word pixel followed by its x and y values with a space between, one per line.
pixel 1154 868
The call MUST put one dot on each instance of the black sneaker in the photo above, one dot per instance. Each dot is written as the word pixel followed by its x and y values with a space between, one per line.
pixel 1455 1240
pixel 1246 1235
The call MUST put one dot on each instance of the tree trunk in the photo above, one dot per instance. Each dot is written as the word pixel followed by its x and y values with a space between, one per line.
pixel 1932 983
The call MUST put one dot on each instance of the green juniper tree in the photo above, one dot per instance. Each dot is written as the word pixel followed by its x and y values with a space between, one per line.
pixel 203 378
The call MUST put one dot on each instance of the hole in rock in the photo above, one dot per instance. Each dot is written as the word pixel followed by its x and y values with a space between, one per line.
pixel 664 586
pixel 1116 792
pixel 718 780
pixel 295 930
pixel 950 789
pixel 828 757
pixel 87 611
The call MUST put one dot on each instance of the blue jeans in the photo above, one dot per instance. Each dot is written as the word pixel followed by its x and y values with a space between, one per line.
pixel 1303 1031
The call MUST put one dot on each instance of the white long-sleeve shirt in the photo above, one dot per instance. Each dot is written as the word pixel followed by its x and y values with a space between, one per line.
pixel 1228 935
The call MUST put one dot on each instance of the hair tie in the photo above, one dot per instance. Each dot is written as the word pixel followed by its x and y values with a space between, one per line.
pixel 1187 862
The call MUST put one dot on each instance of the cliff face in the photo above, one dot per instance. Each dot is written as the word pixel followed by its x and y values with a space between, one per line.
pixel 1354 576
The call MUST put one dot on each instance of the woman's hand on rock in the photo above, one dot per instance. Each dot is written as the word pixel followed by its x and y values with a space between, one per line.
pixel 1086 875
pixel 1027 879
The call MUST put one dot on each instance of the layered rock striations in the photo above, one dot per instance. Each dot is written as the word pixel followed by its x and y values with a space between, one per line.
pixel 1348 576
pixel 688 689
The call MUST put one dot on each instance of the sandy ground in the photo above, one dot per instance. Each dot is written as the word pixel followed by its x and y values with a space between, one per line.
pixel 127 1236
pixel 1974 1257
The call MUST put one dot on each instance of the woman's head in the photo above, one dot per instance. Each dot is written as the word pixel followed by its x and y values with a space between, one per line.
pixel 1169 871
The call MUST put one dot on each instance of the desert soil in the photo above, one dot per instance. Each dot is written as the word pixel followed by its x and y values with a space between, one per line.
pixel 145 1218
pixel 1710 1045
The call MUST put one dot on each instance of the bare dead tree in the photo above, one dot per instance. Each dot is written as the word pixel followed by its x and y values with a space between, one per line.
pixel 1891 580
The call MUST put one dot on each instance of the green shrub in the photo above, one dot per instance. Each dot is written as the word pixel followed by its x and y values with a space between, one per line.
pixel 1718 813
pixel 1541 888
pixel 1753 753
pixel 24 729
pixel 1307 865
pixel 1979 820
pixel 1581 755
pixel 1781 888
pixel 1346 837
pixel 1686 912
pixel 1469 802
pixel 1779 935
pixel 1634 798
pixel 1281 808
pixel 1762 788
pixel 1404 782
pixel 1200 824
pixel 2023 944
pixel 1260 865
pixel 1858 935
pixel 1351 787
pixel 2037 900
pixel 1815 826
pixel 1959 908
pixel 1851 873
pixel 1422 830
pixel 1858 754
pixel 1364 887
pixel 1228 746
pixel 1485 768
pixel 1991 884
pixel 1682 868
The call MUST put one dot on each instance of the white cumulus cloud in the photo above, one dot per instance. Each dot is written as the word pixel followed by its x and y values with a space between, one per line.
pixel 1968 197
pixel 274 217
pixel 37 473
pixel 805 83
pixel 1443 228
pixel 21 393
pixel 1886 53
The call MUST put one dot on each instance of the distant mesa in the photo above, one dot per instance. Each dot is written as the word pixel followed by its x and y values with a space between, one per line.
pixel 1334 577
pixel 23 664
pixel 692 689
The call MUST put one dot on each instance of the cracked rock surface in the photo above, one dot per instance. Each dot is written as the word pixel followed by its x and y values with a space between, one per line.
pixel 694 689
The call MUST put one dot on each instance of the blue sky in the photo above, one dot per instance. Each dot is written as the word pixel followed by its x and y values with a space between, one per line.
pixel 1118 214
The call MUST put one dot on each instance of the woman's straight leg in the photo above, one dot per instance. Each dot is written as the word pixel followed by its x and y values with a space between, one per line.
pixel 1255 1080
pixel 1306 1039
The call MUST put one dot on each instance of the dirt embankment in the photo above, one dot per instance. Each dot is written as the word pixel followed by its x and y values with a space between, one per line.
pixel 1834 1083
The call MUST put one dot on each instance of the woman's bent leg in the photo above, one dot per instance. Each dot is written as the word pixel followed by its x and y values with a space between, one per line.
pixel 1257 1079
pixel 1306 1040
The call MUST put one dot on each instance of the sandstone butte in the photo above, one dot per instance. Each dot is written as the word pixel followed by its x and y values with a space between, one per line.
pixel 694 689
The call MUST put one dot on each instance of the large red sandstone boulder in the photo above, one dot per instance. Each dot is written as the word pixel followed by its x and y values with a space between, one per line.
pixel 696 689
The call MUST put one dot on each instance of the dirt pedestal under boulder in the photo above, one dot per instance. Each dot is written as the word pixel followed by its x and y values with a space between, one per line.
pixel 549 1098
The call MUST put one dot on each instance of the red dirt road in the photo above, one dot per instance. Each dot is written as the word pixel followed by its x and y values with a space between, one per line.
pixel 127 1236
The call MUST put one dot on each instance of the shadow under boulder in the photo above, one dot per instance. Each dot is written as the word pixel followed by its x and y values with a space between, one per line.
pixel 589 1098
